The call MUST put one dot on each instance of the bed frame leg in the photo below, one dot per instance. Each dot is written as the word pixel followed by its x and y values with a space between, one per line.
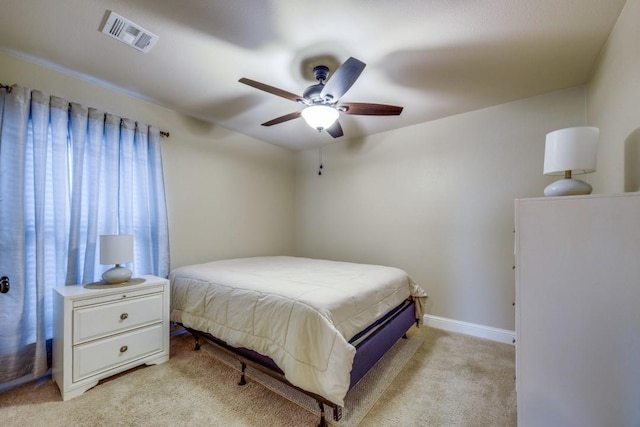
pixel 337 413
pixel 323 421
pixel 196 337
pixel 404 337
pixel 243 379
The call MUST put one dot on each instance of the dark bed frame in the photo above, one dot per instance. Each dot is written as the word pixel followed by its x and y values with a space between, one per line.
pixel 378 339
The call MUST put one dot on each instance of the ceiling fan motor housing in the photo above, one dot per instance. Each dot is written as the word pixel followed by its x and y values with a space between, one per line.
pixel 312 93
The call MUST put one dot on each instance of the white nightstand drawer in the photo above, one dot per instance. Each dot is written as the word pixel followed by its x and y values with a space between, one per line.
pixel 96 321
pixel 98 356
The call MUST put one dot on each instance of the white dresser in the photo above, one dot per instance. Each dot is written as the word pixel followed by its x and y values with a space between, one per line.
pixel 101 332
pixel 578 311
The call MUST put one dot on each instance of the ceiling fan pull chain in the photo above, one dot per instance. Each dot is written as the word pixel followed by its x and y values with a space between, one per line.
pixel 319 161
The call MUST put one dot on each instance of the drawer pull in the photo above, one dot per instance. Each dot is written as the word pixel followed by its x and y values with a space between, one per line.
pixel 124 316
pixel 123 349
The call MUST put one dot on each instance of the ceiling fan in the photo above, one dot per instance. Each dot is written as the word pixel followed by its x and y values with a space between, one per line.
pixel 323 106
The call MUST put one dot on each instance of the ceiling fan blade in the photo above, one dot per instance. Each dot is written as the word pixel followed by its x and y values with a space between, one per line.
pixel 365 109
pixel 335 130
pixel 281 119
pixel 342 79
pixel 272 90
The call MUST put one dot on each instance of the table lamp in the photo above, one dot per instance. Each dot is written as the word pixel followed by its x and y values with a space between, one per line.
pixel 569 152
pixel 116 249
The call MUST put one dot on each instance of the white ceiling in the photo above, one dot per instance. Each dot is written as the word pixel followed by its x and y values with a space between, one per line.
pixel 435 58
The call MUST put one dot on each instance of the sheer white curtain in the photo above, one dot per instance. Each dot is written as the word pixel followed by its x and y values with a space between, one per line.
pixel 67 175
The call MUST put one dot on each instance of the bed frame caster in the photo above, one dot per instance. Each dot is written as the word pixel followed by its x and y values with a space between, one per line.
pixel 243 379
pixel 196 337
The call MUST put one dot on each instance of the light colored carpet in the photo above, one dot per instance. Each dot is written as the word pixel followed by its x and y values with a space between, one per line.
pixel 450 380
pixel 359 400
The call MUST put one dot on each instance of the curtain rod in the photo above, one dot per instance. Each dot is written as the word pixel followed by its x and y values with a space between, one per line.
pixel 166 134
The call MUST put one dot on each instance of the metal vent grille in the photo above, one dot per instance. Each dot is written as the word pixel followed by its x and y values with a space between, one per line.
pixel 128 33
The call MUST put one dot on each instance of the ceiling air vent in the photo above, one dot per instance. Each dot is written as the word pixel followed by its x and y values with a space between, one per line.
pixel 128 33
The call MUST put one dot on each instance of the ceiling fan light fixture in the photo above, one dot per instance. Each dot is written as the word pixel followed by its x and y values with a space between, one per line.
pixel 320 117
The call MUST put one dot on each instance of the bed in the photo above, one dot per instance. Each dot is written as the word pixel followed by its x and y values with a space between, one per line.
pixel 319 325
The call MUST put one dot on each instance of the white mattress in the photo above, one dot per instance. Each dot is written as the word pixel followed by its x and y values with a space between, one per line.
pixel 301 312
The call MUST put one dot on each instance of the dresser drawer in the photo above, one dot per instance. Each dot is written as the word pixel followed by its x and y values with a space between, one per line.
pixel 93 322
pixel 98 356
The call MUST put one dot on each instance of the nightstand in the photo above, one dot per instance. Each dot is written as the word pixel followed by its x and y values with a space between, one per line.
pixel 101 332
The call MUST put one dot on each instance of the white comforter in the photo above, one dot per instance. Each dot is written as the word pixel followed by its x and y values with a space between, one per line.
pixel 300 312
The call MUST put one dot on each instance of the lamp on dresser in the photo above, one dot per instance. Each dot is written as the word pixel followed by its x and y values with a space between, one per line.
pixel 569 152
pixel 116 249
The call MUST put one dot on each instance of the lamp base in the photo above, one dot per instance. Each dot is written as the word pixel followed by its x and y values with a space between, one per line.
pixel 567 187
pixel 116 275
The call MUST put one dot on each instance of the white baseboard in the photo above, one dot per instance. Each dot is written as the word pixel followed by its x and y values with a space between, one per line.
pixel 480 331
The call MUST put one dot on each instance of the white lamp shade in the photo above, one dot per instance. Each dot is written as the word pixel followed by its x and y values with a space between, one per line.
pixel 116 249
pixel 571 149
pixel 320 116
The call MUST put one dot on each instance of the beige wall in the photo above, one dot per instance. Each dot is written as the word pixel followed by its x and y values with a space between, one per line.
pixel 613 102
pixel 437 200
pixel 228 195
